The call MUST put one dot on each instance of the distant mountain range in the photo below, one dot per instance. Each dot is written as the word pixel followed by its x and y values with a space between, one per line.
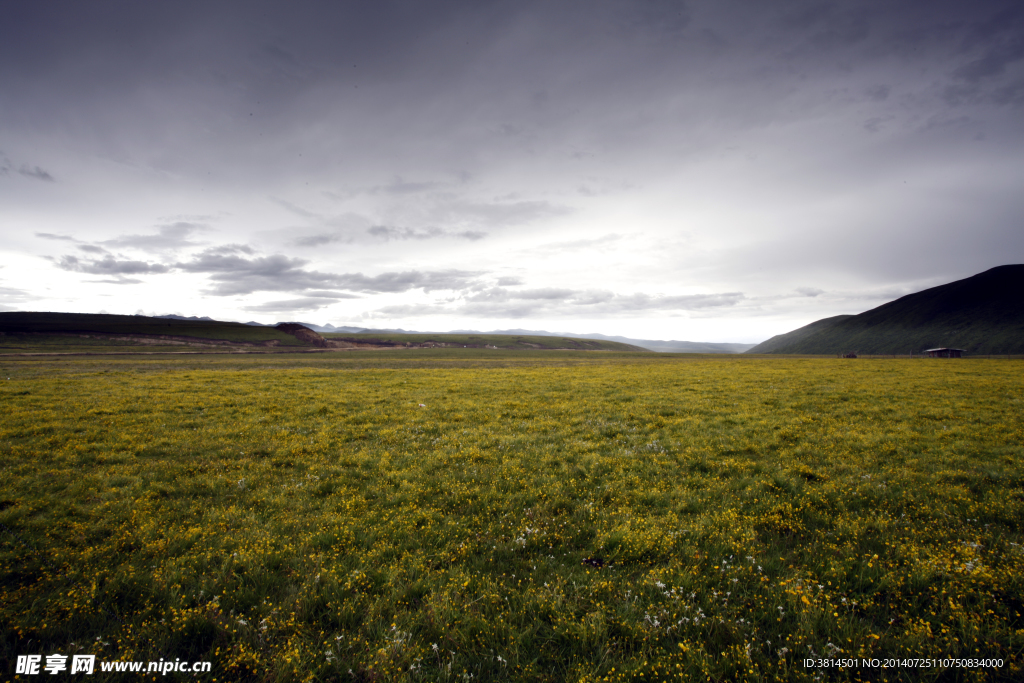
pixel 649 344
pixel 320 328
pixel 658 345
pixel 982 314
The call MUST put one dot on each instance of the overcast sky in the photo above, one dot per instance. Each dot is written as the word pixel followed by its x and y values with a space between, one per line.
pixel 709 171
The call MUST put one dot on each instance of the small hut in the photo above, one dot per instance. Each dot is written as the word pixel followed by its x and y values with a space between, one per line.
pixel 945 353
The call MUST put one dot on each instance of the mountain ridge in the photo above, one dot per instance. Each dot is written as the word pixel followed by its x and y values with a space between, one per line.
pixel 982 314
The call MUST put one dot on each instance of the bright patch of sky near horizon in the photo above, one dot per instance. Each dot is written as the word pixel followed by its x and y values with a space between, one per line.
pixel 708 171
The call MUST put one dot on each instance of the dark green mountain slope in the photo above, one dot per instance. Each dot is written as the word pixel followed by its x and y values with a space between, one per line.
pixel 982 314
pixel 781 341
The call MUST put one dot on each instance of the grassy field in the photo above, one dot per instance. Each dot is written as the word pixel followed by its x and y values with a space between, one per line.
pixel 537 516
pixel 82 344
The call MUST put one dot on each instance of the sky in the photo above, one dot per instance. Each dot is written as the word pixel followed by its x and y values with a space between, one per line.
pixel 716 171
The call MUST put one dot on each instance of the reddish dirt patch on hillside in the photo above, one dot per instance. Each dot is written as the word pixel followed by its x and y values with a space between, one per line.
pixel 303 334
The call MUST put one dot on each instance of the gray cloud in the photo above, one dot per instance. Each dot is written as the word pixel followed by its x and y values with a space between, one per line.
pixel 404 281
pixel 878 93
pixel 400 186
pixel 327 294
pixel 321 239
pixel 169 236
pixel 576 245
pixel 35 172
pixel 461 218
pixel 503 295
pixel 993 62
pixel 10 295
pixel 119 280
pixel 51 236
pixel 290 305
pixel 497 302
pixel 109 266
pixel 228 249
pixel 387 233
pixel 26 170
pixel 295 209
pixel 233 275
pixel 500 214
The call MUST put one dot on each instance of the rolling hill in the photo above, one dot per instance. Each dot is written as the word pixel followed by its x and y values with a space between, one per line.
pixel 30 329
pixel 141 327
pixel 982 314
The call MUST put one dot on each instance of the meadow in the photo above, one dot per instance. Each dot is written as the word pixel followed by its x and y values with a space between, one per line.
pixel 531 516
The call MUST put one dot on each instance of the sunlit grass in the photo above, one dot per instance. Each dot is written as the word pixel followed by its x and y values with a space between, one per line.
pixel 717 519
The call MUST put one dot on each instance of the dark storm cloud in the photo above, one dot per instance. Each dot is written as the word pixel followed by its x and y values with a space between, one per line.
pixel 1001 44
pixel 417 124
pixel 109 265
pixel 252 62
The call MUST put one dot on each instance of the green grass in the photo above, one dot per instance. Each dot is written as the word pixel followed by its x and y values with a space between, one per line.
pixel 298 517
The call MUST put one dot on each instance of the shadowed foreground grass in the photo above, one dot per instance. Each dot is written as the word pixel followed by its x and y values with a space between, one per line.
pixel 719 520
